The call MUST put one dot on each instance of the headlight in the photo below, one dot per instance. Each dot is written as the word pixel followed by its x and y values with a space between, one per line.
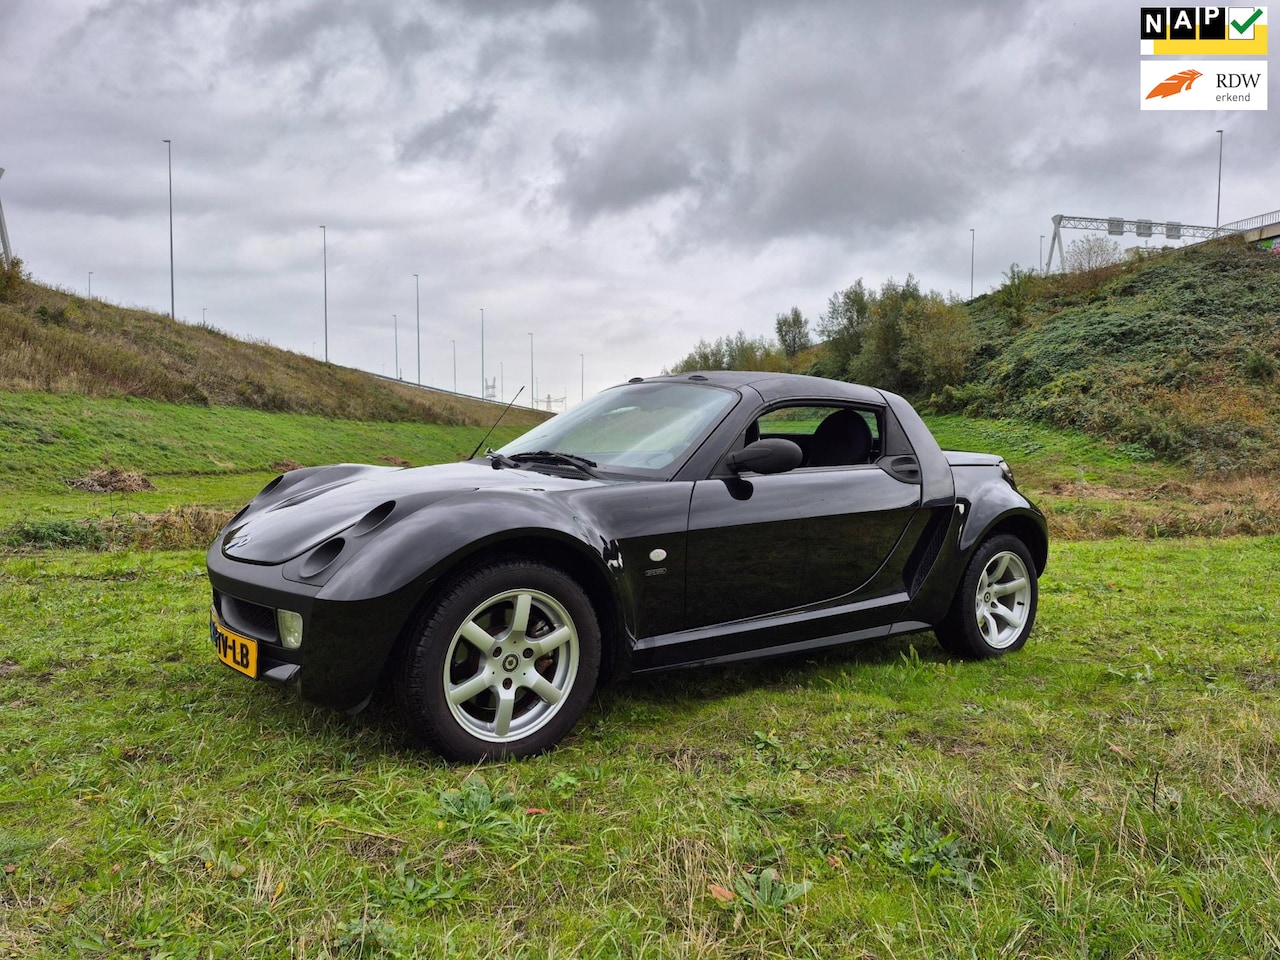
pixel 1007 472
pixel 290 626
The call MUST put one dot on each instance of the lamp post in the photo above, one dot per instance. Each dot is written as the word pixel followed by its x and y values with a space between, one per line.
pixel 417 322
pixel 173 313
pixel 203 315
pixel 91 286
pixel 324 240
pixel 1217 217
pixel 972 247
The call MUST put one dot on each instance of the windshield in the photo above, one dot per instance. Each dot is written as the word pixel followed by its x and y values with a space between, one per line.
pixel 638 428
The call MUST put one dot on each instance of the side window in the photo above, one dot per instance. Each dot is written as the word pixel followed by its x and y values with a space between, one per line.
pixel 828 436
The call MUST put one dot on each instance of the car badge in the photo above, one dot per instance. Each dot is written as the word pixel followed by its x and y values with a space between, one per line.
pixel 239 541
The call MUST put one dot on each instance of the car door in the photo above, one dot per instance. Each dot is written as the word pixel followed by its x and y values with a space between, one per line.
pixel 746 549
pixel 815 535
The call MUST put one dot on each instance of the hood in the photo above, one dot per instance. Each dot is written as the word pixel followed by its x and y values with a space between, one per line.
pixel 963 458
pixel 306 508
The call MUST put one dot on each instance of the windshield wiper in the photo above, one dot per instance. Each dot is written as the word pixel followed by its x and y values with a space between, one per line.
pixel 498 460
pixel 557 458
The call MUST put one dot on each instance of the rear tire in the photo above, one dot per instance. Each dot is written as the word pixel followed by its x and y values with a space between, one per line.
pixel 995 604
pixel 502 665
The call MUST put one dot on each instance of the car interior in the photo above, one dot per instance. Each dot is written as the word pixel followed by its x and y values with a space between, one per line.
pixel 843 437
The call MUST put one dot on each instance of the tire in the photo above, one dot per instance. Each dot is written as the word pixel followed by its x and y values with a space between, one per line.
pixel 995 604
pixel 502 665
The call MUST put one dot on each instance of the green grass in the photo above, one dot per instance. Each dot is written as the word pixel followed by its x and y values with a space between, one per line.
pixel 54 341
pixel 1107 792
pixel 205 462
pixel 211 457
pixel 1175 354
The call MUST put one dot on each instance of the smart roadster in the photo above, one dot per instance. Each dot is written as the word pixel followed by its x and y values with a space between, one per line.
pixel 669 522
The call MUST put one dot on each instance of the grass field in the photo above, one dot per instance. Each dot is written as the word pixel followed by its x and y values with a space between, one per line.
pixel 205 462
pixel 1110 791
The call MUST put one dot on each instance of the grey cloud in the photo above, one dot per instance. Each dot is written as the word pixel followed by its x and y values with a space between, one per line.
pixel 272 35
pixel 631 169
pixel 452 134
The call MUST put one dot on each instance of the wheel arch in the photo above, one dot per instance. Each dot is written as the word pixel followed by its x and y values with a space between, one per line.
pixel 542 547
pixel 1026 530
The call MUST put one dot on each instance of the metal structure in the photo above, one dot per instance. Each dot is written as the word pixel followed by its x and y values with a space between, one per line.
pixel 173 309
pixel 1260 222
pixel 1118 226
pixel 324 241
pixel 6 254
pixel 417 321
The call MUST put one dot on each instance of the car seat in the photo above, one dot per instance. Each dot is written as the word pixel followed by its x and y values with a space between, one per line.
pixel 841 439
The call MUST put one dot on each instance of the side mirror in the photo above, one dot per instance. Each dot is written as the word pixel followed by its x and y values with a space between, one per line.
pixel 771 455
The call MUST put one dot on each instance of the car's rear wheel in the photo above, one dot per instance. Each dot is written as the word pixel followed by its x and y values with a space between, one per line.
pixel 502 665
pixel 995 605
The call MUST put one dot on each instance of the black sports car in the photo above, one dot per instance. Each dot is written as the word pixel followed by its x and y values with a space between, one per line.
pixel 668 522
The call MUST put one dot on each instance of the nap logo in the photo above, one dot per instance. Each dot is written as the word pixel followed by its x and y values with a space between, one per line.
pixel 1203 31
pixel 1203 84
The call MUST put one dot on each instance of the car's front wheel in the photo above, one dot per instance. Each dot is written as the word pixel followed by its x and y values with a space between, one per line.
pixel 995 605
pixel 502 665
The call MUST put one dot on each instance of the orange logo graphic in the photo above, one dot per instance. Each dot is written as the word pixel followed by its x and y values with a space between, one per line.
pixel 1178 83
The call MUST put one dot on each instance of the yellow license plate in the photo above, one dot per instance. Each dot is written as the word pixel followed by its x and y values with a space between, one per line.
pixel 237 652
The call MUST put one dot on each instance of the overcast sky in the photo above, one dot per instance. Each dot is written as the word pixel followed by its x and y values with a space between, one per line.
pixel 617 178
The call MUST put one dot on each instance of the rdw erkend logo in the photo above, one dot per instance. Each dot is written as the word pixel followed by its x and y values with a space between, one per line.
pixel 1203 85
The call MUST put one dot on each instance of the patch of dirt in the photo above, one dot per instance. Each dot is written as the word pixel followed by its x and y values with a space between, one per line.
pixel 285 465
pixel 1092 491
pixel 112 480
pixel 395 461
pixel 8 667
pixel 1256 680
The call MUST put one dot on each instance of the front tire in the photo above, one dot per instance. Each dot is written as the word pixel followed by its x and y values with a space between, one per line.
pixel 502 665
pixel 995 604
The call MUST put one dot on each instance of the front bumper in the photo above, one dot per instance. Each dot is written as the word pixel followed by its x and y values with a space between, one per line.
pixel 346 643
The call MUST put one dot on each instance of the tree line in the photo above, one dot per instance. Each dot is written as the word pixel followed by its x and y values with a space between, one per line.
pixel 897 337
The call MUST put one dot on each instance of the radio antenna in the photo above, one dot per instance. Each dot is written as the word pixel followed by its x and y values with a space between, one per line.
pixel 495 424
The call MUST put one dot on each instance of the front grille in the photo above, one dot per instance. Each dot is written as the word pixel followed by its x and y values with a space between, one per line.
pixel 252 619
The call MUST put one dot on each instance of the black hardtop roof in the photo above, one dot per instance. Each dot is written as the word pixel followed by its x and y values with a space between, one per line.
pixel 778 386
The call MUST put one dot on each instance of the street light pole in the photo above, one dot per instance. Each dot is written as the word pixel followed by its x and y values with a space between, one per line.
pixel 324 240
pixel 417 321
pixel 173 313
pixel 1217 217
pixel 972 247
pixel 91 286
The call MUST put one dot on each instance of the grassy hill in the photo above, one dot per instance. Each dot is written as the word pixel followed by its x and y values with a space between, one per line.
pixel 52 341
pixel 1175 355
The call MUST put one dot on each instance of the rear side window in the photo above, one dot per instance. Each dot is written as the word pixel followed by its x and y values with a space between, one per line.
pixel 828 436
